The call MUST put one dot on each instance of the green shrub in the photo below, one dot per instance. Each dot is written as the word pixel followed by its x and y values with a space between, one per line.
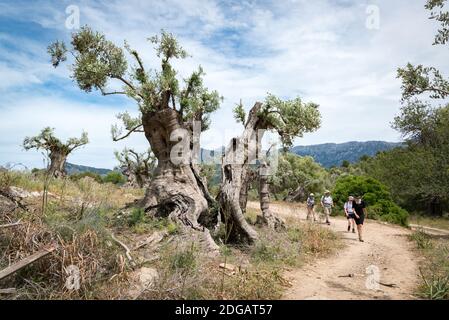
pixel 183 260
pixel 266 252
pixel 376 196
pixel 295 234
pixel 434 286
pixel 81 175
pixel 137 216
pixel 172 228
pixel 422 239
pixel 387 210
pixel 37 171
pixel 114 177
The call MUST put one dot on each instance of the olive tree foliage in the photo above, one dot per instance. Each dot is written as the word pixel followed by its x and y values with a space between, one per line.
pixel 417 122
pixel 417 80
pixel 56 149
pixel 137 167
pixel 166 105
pixel 442 16
pixel 298 176
pixel 287 118
pixel 98 61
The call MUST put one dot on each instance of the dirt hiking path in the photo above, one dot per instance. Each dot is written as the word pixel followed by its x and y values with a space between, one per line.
pixel 386 249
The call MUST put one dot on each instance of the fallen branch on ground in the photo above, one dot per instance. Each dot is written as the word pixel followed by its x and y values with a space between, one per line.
pixel 124 246
pixel 351 275
pixel 391 285
pixel 26 261
pixel 11 224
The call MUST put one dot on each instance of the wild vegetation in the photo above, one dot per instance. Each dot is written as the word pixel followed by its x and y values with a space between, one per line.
pixel 184 227
pixel 375 194
pixel 90 222
pixel 434 268
pixel 296 177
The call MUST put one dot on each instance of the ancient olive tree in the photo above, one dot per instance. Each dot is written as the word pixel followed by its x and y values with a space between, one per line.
pixel 137 167
pixel 56 149
pixel 169 114
pixel 289 119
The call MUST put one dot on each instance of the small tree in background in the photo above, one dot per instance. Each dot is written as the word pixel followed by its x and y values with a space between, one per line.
pixel 57 150
pixel 114 177
pixel 137 167
pixel 298 176
pixel 345 164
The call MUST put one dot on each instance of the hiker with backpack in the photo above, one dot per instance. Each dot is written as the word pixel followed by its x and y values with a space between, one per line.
pixel 311 207
pixel 350 213
pixel 327 203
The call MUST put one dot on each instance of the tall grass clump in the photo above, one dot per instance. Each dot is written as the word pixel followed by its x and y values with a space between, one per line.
pixel 434 268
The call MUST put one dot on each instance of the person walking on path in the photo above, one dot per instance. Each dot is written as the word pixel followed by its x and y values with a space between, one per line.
pixel 327 203
pixel 349 212
pixel 360 214
pixel 311 207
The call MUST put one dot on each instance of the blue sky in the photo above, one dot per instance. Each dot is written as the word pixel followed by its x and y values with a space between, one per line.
pixel 322 51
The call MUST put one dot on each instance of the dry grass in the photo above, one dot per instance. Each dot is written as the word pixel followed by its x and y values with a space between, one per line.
pixel 78 243
pixel 80 217
pixel 184 273
pixel 76 219
pixel 434 267
pixel 258 271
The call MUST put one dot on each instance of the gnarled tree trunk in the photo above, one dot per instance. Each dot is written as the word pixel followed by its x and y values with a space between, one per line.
pixel 131 178
pixel 135 180
pixel 176 190
pixel 57 163
pixel 233 193
pixel 267 217
pixel 248 178
pixel 236 175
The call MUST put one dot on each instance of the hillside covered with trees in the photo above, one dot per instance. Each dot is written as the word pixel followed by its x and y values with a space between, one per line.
pixel 334 154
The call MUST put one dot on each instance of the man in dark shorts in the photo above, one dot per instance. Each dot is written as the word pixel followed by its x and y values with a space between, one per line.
pixel 360 214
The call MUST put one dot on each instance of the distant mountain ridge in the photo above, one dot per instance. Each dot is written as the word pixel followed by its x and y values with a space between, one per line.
pixel 333 154
pixel 75 168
